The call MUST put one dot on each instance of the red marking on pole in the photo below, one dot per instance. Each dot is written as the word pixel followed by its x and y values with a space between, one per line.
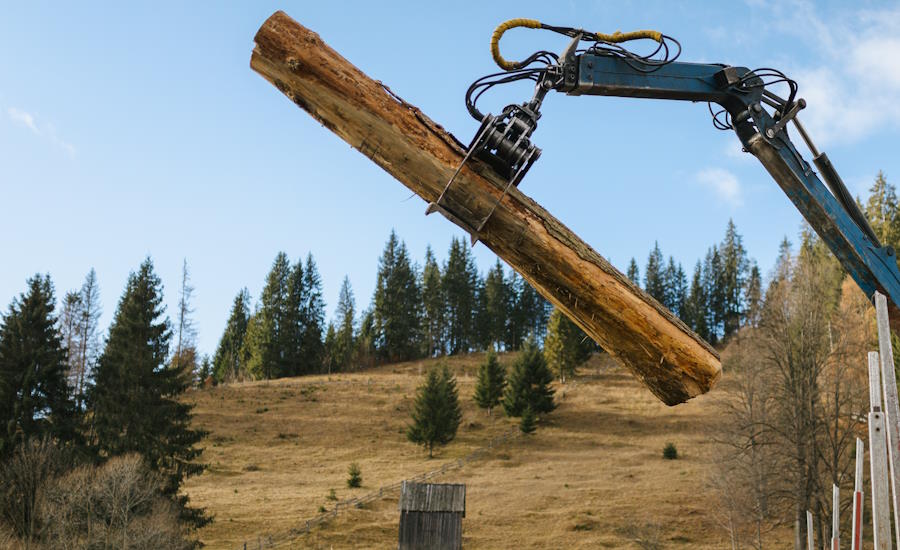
pixel 857 520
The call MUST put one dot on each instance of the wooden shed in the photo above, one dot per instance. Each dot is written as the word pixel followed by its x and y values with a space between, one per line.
pixel 431 515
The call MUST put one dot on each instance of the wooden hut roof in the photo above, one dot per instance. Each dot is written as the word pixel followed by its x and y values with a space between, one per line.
pixel 433 497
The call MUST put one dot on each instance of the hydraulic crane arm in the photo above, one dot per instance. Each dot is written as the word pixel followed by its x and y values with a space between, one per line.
pixel 607 69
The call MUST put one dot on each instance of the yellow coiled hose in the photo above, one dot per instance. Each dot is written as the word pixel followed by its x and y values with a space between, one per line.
pixel 614 38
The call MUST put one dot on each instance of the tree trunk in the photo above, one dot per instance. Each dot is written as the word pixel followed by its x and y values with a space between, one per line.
pixel 659 349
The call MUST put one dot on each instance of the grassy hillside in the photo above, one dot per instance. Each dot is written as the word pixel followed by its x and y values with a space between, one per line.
pixel 592 476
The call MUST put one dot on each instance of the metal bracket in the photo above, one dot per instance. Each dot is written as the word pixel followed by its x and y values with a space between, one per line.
pixel 437 205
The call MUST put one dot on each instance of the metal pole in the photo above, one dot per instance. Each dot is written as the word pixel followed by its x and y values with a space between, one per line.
pixel 810 542
pixel 878 460
pixel 891 404
pixel 858 497
pixel 835 517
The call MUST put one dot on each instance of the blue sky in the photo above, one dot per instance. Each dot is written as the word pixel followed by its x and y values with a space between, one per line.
pixel 129 129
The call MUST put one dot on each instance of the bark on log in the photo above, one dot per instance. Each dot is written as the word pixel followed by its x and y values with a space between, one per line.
pixel 659 349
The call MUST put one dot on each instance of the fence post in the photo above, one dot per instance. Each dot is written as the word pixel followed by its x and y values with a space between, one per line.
pixel 810 543
pixel 881 511
pixel 891 405
pixel 856 532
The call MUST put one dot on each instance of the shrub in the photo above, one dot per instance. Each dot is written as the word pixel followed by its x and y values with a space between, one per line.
pixel 331 495
pixel 354 478
pixel 670 452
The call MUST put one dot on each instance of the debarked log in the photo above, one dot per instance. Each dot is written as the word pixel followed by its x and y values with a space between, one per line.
pixel 648 339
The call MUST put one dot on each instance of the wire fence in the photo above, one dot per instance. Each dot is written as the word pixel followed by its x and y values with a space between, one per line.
pixel 286 539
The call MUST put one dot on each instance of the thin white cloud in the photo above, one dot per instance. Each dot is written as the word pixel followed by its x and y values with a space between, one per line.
pixel 24 118
pixel 723 184
pixel 46 129
pixel 853 80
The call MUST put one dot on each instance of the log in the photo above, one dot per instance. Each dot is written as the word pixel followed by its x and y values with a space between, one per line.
pixel 673 362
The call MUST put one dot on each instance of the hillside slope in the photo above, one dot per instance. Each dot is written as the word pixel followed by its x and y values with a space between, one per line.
pixel 592 476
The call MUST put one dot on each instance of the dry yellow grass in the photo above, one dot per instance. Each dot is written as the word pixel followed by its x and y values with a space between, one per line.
pixel 592 476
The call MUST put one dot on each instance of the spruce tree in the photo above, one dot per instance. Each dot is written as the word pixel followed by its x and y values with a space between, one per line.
pixel 267 347
pixel 365 339
pixel 344 346
pixel 136 400
pixel 293 324
pixel 490 384
pixel 436 413
pixel 528 384
pixel 433 305
pixel 497 302
pixel 229 362
pixel 331 354
pixel 313 318
pixel 530 312
pixel 753 297
pixel 633 273
pixel 34 396
pixel 397 300
pixel 527 424
pixel 566 346
pixel 257 340
pixel 654 278
pixel 697 306
pixel 715 297
pixel 734 269
pixel 883 213
pixel 460 284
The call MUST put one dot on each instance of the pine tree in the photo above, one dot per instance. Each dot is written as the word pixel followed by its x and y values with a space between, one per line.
pixel 714 290
pixel 365 339
pixel 490 384
pixel 432 306
pixel 136 400
pixel 654 278
pixel 633 272
pixel 675 284
pixel 883 212
pixel 460 282
pixel 331 353
pixel 34 396
pixel 529 382
pixel 753 297
pixel 205 371
pixel 266 348
pixel 566 346
pixel 293 324
pixel 436 413
pixel 481 324
pixel 496 293
pixel 313 318
pixel 527 424
pixel 344 346
pixel 530 312
pixel 229 362
pixel 397 299
pixel 734 268
pixel 697 306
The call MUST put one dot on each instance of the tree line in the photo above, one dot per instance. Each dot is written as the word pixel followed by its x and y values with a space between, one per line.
pixel 723 293
pixel 86 423
pixel 415 312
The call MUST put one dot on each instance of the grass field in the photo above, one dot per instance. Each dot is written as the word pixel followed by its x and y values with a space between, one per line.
pixel 592 476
